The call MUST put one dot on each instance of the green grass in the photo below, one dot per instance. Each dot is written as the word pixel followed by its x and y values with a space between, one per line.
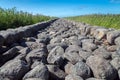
pixel 104 20
pixel 11 18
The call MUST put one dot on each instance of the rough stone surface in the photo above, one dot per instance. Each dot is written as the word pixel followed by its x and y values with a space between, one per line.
pixel 55 56
pixel 73 77
pixel 72 54
pixel 14 70
pixel 101 68
pixel 60 49
pixel 40 71
pixel 56 73
pixel 81 69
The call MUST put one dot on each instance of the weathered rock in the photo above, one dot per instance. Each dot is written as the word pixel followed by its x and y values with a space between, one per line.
pixel 112 48
pixel 100 33
pixel 84 54
pixel 56 73
pixel 68 68
pixel 36 55
pixel 11 53
pixel 8 36
pixel 117 41
pixel 33 45
pixel 116 63
pixel 111 36
pixel 34 79
pixel 43 38
pixel 35 64
pixel 40 71
pixel 88 45
pixel 51 46
pixel 23 53
pixel 32 39
pixel 73 77
pixel 55 40
pixel 81 69
pixel 72 54
pixel 55 56
pixel 14 70
pixel 94 79
pixel 102 53
pixel 101 68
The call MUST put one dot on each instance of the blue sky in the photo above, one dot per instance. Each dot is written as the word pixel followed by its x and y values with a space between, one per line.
pixel 62 8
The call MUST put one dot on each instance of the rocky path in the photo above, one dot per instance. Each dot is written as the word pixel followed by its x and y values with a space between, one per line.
pixel 64 50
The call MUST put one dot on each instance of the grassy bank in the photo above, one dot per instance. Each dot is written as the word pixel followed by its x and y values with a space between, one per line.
pixel 108 20
pixel 11 18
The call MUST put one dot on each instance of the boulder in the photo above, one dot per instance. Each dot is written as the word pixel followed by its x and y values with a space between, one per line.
pixel 33 45
pixel 56 73
pixel 72 54
pixel 101 68
pixel 40 71
pixel 23 53
pixel 55 56
pixel 100 33
pixel 94 79
pixel 34 79
pixel 102 52
pixel 88 45
pixel 81 69
pixel 55 40
pixel 117 41
pixel 112 35
pixel 116 63
pixel 68 68
pixel 36 55
pixel 14 69
pixel 11 53
pixel 73 77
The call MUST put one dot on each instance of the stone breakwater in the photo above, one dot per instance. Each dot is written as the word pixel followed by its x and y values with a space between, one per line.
pixel 60 50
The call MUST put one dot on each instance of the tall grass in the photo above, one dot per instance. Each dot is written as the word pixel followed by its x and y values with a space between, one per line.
pixel 11 18
pixel 105 20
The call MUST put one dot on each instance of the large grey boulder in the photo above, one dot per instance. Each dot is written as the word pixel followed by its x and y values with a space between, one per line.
pixel 100 33
pixel 56 55
pixel 8 36
pixel 81 69
pixel 23 53
pixel 101 68
pixel 55 40
pixel 116 63
pixel 51 46
pixel 84 54
pixel 88 45
pixel 112 35
pixel 94 79
pixel 56 73
pixel 36 55
pixel 34 79
pixel 11 53
pixel 33 45
pixel 72 54
pixel 68 68
pixel 73 77
pixel 43 38
pixel 40 71
pixel 102 52
pixel 117 41
pixel 14 69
